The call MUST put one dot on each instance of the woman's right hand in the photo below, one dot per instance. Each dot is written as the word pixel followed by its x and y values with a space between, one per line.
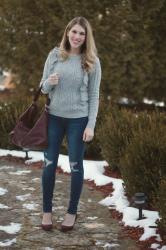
pixel 53 79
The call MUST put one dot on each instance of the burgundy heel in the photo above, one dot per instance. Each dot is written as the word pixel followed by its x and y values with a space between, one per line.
pixel 67 228
pixel 47 227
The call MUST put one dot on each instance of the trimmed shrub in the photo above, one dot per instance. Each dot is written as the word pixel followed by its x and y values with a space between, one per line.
pixel 143 162
pixel 135 142
pixel 162 206
pixel 114 134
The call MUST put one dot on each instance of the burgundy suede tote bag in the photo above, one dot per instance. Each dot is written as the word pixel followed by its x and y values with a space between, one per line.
pixel 32 127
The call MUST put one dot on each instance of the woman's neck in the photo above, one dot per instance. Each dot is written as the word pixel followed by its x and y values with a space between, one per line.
pixel 74 51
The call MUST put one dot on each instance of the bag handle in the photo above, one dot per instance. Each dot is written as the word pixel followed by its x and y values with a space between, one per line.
pixel 37 94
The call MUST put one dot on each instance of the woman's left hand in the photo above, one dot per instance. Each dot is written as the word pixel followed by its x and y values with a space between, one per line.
pixel 88 134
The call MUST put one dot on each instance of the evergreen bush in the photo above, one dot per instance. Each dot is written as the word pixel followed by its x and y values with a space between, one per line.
pixel 143 162
pixel 115 133
pixel 162 206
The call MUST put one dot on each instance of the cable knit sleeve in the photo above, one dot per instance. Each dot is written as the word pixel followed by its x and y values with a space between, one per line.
pixel 46 87
pixel 93 93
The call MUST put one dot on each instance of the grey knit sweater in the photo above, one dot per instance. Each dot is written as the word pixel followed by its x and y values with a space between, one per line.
pixel 77 92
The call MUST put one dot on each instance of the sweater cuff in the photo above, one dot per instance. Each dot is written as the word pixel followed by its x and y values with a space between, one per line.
pixel 46 87
pixel 91 124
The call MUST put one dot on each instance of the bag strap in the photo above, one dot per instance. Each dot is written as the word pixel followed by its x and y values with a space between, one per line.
pixel 37 94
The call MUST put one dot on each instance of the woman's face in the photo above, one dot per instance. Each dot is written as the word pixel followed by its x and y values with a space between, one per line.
pixel 76 36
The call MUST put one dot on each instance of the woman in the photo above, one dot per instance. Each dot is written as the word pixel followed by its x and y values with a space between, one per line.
pixel 71 77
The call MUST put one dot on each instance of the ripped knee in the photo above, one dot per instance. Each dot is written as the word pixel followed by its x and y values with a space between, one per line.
pixel 74 166
pixel 47 162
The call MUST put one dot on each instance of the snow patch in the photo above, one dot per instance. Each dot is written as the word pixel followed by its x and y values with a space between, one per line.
pixel 7 242
pixel 23 197
pixel 2 206
pixel 3 191
pixel 30 206
pixel 12 228
pixel 21 172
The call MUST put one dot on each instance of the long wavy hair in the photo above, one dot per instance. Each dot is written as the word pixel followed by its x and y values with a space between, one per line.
pixel 88 48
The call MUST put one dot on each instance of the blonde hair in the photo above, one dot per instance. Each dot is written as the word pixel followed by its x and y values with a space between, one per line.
pixel 88 49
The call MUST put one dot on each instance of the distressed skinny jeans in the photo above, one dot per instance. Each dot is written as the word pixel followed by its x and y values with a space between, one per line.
pixel 57 128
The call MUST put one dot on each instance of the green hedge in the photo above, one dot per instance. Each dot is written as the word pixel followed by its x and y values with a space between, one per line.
pixel 161 202
pixel 143 162
pixel 131 141
pixel 135 143
pixel 114 134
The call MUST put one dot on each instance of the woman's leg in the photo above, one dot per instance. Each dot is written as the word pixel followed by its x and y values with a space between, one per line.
pixel 76 148
pixel 51 154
